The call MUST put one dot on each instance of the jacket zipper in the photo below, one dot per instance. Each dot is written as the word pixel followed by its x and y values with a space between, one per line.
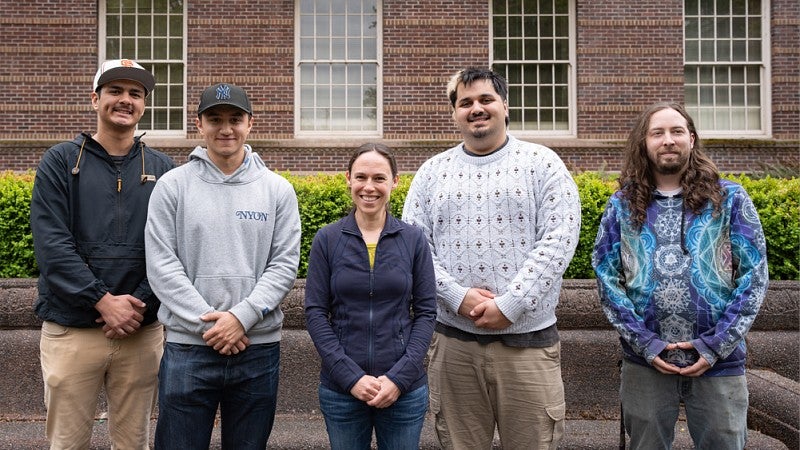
pixel 119 204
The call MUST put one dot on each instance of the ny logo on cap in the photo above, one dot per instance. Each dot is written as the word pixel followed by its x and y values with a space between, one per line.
pixel 223 92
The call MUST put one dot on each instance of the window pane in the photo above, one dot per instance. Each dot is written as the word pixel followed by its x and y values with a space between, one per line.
pixel 338 49
pixel 515 26
pixel 692 28
pixel 531 50
pixel 754 50
pixel 515 49
pixel 113 26
pixel 707 28
pixel 159 49
pixel 176 25
pixel 160 25
pixel 723 50
pixel 692 51
pixel 354 25
pixel 145 50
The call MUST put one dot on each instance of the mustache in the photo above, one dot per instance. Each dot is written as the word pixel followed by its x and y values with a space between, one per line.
pixel 478 116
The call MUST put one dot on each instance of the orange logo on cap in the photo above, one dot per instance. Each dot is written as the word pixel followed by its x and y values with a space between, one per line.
pixel 126 63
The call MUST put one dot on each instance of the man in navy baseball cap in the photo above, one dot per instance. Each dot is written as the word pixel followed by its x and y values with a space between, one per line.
pixel 224 94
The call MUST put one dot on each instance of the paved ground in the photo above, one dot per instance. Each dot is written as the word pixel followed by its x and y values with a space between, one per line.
pixel 307 432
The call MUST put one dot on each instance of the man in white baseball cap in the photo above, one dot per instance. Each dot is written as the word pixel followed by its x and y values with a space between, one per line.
pixel 123 69
pixel 88 212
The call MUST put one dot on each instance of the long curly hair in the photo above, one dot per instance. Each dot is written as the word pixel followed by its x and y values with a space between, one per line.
pixel 700 180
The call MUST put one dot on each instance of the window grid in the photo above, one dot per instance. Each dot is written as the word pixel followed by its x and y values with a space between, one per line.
pixel 151 32
pixel 531 48
pixel 338 66
pixel 723 65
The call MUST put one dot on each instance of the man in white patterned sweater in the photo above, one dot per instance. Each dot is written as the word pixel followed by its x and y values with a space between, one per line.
pixel 503 219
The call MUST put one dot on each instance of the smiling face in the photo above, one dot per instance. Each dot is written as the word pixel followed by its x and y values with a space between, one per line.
pixel 669 143
pixel 480 114
pixel 371 182
pixel 225 129
pixel 119 105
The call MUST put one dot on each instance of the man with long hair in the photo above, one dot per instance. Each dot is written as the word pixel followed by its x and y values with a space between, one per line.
pixel 681 267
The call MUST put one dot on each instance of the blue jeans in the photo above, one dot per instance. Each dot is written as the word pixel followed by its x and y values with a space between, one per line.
pixel 194 380
pixel 716 408
pixel 350 421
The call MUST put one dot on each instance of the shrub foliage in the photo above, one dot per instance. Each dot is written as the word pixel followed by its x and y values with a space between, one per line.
pixel 324 198
pixel 16 241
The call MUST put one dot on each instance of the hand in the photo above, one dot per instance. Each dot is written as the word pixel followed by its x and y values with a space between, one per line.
pixel 664 367
pixel 388 394
pixel 366 388
pixel 488 315
pixel 121 315
pixel 696 369
pixel 226 336
pixel 473 298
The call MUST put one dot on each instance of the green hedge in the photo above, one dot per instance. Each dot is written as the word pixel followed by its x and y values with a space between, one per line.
pixel 16 242
pixel 324 199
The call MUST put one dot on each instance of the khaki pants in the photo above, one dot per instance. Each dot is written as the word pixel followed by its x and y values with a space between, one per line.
pixel 471 384
pixel 77 362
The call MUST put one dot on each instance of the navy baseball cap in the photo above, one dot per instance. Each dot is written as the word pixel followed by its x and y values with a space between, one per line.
pixel 224 94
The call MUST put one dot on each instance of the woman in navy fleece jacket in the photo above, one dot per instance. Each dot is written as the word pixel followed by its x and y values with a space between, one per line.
pixel 370 310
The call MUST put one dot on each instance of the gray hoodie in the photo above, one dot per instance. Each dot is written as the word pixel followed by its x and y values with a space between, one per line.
pixel 217 242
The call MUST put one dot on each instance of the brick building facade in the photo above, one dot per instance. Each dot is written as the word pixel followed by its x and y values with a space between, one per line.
pixel 623 55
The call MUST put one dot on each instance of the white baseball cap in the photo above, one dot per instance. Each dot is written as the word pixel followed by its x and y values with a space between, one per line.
pixel 124 69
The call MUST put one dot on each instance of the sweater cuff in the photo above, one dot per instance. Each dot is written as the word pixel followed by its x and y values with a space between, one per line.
pixel 454 297
pixel 511 309
pixel 705 351
pixel 245 314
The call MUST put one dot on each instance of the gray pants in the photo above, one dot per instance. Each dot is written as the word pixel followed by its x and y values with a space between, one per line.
pixel 716 408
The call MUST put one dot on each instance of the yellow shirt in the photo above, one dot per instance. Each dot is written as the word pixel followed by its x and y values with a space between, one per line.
pixel 371 251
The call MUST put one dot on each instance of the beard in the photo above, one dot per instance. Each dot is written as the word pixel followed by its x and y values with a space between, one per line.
pixel 670 166
pixel 480 133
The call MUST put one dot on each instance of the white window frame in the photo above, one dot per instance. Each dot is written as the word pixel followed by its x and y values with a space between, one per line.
pixel 160 97
pixel 705 113
pixel 299 132
pixel 571 130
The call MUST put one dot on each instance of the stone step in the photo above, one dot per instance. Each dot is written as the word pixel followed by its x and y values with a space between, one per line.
pixel 307 431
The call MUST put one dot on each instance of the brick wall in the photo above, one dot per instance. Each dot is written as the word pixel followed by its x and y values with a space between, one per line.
pixel 730 156
pixel 629 54
pixel 785 32
pixel 627 58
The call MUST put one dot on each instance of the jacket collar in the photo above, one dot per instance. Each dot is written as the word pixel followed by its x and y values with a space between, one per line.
pixel 391 226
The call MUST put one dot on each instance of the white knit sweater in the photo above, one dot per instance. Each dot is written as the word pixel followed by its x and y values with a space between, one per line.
pixel 507 222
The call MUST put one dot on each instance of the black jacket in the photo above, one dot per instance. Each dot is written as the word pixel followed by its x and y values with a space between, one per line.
pixel 88 228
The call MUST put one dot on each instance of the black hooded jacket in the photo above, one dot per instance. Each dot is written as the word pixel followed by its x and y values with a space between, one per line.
pixel 88 228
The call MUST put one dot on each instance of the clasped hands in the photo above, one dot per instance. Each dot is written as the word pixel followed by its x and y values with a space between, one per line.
pixel 479 306
pixel 695 370
pixel 380 392
pixel 227 335
pixel 121 315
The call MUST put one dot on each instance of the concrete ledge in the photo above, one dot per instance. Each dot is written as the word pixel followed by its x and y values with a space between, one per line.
pixel 774 406
pixel 579 306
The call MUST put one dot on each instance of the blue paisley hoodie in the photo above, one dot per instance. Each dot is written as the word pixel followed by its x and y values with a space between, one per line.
pixel 683 277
